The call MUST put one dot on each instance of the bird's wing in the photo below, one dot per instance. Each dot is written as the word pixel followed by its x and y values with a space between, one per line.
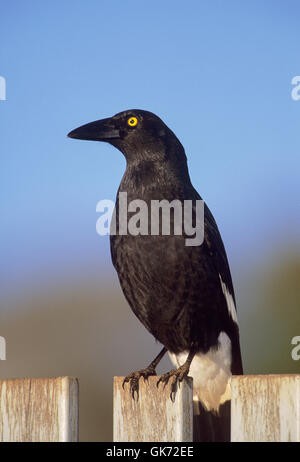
pixel 216 249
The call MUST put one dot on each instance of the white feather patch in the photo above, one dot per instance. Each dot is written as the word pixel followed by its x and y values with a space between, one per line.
pixel 211 372
pixel 229 301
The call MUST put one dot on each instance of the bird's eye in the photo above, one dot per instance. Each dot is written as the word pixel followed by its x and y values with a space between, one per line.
pixel 132 121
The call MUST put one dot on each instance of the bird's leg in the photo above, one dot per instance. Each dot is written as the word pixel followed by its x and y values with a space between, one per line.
pixel 177 375
pixel 134 377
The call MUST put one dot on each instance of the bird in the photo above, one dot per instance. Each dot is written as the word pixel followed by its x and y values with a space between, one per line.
pixel 182 294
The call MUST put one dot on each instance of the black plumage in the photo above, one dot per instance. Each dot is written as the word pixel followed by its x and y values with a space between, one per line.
pixel 182 294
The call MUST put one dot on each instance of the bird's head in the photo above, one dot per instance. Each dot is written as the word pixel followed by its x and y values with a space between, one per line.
pixel 136 133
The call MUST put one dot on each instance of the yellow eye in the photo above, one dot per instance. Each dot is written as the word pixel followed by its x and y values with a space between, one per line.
pixel 132 121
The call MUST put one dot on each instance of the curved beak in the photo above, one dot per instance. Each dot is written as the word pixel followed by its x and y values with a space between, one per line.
pixel 100 130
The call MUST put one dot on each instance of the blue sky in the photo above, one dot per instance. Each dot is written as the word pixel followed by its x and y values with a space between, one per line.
pixel 218 73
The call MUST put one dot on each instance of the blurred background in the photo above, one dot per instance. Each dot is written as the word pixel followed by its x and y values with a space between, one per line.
pixel 219 74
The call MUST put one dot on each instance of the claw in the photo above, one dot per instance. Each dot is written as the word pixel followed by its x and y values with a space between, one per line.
pixel 174 388
pixel 166 377
pixel 133 391
pixel 134 378
pixel 177 376
pixel 125 381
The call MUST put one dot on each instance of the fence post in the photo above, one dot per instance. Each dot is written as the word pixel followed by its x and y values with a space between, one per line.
pixel 265 408
pixel 153 417
pixel 39 409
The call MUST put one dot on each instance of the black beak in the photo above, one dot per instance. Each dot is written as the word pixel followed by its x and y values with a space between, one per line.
pixel 100 130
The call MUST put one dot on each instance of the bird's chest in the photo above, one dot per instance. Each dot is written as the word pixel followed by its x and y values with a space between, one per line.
pixel 147 264
pixel 152 276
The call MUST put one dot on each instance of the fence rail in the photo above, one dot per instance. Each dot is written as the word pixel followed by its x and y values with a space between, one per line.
pixel 265 408
pixel 153 416
pixel 39 409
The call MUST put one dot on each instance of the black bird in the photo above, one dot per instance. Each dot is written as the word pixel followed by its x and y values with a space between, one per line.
pixel 183 294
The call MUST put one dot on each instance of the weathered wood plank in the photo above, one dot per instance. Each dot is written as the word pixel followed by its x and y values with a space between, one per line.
pixel 39 409
pixel 265 408
pixel 153 417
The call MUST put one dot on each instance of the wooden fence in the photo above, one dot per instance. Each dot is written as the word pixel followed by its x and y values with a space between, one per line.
pixel 263 408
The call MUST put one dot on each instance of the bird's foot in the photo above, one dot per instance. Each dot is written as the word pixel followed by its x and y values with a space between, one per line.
pixel 177 376
pixel 134 378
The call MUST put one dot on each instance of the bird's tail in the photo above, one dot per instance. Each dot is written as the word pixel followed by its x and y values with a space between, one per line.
pixel 211 426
